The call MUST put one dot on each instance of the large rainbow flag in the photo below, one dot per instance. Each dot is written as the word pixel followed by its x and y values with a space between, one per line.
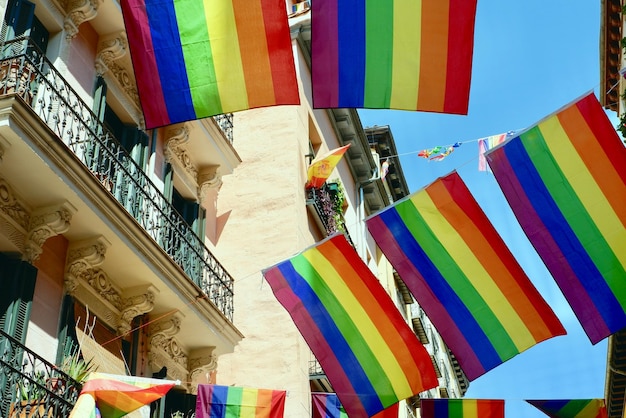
pixel 462 408
pixel 368 352
pixel 327 405
pixel 199 58
pixel 571 408
pixel 565 179
pixel 216 401
pixel 114 396
pixel 392 54
pixel 463 275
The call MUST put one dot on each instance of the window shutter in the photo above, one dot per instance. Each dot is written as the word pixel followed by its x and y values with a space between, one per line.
pixel 18 278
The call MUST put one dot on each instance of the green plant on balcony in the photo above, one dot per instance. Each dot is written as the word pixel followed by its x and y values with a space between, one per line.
pixel 75 366
pixel 333 206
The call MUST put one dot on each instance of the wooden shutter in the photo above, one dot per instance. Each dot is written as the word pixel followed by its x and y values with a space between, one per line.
pixel 16 299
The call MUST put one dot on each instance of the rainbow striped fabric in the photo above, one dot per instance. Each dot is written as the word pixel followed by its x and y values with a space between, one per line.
pixel 368 352
pixel 462 274
pixel 565 179
pixel 216 401
pixel 321 167
pixel 462 408
pixel 327 405
pixel 112 396
pixel 199 58
pixel 397 54
pixel 571 408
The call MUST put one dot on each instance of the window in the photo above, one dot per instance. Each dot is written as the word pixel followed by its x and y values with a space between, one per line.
pixel 16 299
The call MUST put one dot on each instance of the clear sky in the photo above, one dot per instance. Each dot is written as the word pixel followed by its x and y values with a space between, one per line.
pixel 531 57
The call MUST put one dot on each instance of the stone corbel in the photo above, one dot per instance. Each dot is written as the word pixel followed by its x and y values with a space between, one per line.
pixel 175 139
pixel 14 216
pixel 208 179
pixel 109 51
pixel 137 301
pixel 82 257
pixel 46 223
pixel 79 11
pixel 202 364
pixel 165 350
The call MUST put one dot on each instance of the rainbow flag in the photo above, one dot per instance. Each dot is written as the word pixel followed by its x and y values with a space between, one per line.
pixel 321 167
pixel 114 396
pixel 565 179
pixel 327 405
pixel 463 275
pixel 368 352
pixel 462 408
pixel 216 401
pixel 392 54
pixel 199 58
pixel 571 408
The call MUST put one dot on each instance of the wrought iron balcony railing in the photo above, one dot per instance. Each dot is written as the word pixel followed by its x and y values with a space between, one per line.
pixel 31 386
pixel 26 72
pixel 329 216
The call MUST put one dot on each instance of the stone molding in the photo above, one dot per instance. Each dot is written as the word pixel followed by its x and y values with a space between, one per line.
pixel 14 216
pixel 202 362
pixel 46 223
pixel 78 12
pixel 165 350
pixel 113 58
pixel 92 286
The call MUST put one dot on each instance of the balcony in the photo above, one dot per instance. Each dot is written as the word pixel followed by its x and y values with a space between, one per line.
pixel 29 75
pixel 325 207
pixel 31 386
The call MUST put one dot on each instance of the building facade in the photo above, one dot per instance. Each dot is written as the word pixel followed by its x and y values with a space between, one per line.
pixel 106 251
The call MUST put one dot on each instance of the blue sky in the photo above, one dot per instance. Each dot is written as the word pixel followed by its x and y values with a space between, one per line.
pixel 531 58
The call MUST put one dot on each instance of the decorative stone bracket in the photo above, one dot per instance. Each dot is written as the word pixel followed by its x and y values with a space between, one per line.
pixel 93 287
pixel 79 11
pixel 166 351
pixel 46 223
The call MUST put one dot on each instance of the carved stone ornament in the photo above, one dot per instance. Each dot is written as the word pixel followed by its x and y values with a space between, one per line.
pixel 175 139
pixel 137 301
pixel 46 223
pixel 11 207
pixel 14 217
pixel 202 362
pixel 208 179
pixel 165 350
pixel 113 59
pixel 79 11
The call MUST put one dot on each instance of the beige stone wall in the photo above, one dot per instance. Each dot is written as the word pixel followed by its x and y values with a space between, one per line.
pixel 267 224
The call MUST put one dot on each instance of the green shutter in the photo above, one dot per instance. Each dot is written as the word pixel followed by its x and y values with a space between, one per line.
pixel 16 299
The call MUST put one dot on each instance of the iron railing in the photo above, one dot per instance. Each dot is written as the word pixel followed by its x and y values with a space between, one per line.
pixel 332 219
pixel 31 386
pixel 26 72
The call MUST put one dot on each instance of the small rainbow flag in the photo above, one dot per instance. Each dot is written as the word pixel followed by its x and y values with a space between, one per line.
pixel 462 408
pixel 199 58
pixel 565 179
pixel 368 352
pixel 327 405
pixel 571 408
pixel 112 396
pixel 392 54
pixel 216 401
pixel 463 275
pixel 321 167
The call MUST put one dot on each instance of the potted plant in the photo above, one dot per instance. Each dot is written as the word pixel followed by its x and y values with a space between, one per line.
pixel 76 367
